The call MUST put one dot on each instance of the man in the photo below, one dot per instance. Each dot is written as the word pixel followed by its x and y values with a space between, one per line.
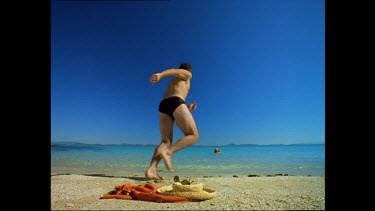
pixel 171 108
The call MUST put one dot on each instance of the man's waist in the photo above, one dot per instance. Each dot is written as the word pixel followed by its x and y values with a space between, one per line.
pixel 174 95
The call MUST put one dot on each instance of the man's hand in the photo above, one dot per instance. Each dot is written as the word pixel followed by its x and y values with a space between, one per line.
pixel 192 106
pixel 155 78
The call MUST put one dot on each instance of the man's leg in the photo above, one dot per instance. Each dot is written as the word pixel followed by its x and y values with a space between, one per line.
pixel 166 130
pixel 186 123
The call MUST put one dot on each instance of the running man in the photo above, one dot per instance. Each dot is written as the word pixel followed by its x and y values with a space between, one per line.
pixel 173 108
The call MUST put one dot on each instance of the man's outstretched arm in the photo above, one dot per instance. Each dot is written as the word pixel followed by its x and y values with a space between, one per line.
pixel 179 73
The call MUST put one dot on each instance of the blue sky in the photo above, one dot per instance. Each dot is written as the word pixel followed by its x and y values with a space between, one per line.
pixel 258 69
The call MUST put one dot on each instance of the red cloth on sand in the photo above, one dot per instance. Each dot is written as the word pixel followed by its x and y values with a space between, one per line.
pixel 145 192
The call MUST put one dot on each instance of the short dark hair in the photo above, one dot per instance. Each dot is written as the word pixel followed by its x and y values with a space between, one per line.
pixel 185 66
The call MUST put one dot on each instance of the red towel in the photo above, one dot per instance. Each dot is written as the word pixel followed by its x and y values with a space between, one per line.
pixel 146 192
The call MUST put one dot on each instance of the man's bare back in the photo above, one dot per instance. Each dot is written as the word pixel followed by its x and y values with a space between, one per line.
pixel 177 87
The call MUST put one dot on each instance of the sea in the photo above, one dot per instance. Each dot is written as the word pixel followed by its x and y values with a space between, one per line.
pixel 124 160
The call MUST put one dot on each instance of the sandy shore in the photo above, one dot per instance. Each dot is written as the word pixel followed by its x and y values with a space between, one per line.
pixel 78 192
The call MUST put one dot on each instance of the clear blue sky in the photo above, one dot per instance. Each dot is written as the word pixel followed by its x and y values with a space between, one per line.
pixel 258 69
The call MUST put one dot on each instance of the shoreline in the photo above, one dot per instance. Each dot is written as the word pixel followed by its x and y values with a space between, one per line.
pixel 132 176
pixel 292 192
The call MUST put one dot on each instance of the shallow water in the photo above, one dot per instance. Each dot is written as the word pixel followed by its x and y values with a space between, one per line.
pixel 119 160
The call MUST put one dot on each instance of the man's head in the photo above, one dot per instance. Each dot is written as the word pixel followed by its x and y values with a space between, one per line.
pixel 185 66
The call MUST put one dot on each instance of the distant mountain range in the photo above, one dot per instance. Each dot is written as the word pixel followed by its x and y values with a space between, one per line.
pixel 126 144
pixel 307 143
pixel 67 143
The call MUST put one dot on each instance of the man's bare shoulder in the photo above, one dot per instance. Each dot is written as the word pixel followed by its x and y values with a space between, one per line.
pixel 184 74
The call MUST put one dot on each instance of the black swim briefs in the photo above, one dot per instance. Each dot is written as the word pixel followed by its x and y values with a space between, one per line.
pixel 168 105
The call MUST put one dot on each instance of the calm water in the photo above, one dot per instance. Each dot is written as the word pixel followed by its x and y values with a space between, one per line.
pixel 193 161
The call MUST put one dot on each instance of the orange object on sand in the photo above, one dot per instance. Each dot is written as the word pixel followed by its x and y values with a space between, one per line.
pixel 146 192
pixel 109 196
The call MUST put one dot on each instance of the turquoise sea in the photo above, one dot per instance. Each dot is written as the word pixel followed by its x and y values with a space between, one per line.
pixel 118 160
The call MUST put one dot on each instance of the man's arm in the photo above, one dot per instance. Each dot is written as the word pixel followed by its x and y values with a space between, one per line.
pixel 179 73
pixel 192 106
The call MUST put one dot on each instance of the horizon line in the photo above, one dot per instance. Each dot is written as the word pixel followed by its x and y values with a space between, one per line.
pixel 230 144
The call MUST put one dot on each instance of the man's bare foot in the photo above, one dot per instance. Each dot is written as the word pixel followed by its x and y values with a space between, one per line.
pixel 165 153
pixel 151 173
